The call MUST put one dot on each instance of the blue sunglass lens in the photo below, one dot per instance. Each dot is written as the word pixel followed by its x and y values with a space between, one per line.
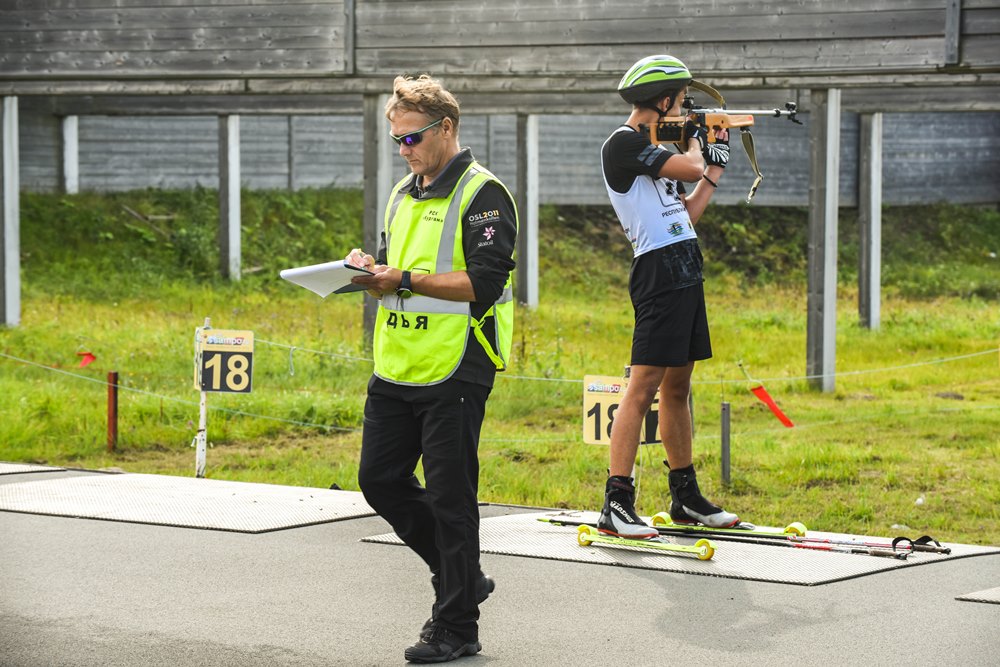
pixel 414 138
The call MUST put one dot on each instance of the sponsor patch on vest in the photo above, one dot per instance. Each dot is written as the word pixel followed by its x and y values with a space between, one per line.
pixel 483 217
pixel 673 210
pixel 488 233
pixel 675 228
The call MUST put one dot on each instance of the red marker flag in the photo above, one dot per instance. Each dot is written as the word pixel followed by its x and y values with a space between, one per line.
pixel 766 399
pixel 757 388
pixel 87 359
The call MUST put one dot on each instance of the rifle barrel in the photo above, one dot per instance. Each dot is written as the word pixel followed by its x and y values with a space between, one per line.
pixel 752 112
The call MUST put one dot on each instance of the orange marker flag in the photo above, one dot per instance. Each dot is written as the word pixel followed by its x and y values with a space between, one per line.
pixel 87 359
pixel 757 388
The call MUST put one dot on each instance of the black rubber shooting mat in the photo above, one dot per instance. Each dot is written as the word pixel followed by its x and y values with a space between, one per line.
pixel 990 596
pixel 524 535
pixel 185 502
pixel 18 468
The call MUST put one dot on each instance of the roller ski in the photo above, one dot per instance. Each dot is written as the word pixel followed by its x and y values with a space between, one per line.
pixel 587 535
pixel 665 524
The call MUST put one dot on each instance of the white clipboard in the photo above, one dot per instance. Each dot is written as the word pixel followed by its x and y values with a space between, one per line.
pixel 327 278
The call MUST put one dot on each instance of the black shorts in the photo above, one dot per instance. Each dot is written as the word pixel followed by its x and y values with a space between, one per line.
pixel 672 329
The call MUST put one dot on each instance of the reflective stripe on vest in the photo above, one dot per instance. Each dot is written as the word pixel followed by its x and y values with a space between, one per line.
pixel 421 340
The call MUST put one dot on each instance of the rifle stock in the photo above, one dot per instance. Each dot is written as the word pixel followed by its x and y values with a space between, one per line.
pixel 670 130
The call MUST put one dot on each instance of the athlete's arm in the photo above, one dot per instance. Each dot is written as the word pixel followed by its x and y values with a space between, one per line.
pixel 697 201
pixel 687 166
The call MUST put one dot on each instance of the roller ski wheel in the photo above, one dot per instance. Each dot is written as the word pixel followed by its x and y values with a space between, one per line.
pixel 796 528
pixel 707 549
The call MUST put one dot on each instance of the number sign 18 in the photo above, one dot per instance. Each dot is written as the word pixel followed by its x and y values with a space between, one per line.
pixel 601 396
pixel 224 361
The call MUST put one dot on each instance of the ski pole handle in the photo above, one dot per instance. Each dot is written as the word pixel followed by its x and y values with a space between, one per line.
pixel 884 553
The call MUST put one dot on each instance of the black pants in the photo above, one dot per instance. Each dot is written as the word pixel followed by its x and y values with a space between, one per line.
pixel 440 523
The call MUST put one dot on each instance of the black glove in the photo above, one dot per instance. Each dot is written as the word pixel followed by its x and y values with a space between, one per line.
pixel 694 131
pixel 717 154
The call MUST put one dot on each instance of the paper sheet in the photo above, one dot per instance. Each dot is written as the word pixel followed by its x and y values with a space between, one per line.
pixel 327 278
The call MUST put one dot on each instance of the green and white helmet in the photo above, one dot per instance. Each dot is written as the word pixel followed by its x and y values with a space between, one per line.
pixel 653 77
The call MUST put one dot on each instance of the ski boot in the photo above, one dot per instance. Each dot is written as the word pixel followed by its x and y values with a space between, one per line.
pixel 688 506
pixel 618 515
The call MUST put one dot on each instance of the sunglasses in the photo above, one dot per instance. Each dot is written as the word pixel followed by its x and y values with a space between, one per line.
pixel 414 138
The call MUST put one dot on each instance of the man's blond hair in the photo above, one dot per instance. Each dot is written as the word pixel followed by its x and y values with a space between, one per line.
pixel 423 95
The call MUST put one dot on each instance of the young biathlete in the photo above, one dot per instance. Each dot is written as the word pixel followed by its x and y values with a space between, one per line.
pixel 644 182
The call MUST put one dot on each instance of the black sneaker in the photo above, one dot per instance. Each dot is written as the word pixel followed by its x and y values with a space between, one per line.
pixel 618 515
pixel 441 645
pixel 484 586
pixel 687 505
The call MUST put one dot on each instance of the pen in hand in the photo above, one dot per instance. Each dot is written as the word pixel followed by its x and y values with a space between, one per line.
pixel 359 258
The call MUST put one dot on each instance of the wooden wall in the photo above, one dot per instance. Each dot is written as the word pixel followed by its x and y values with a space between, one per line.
pixel 514 47
pixel 170 38
pixel 927 157
pixel 200 57
pixel 740 38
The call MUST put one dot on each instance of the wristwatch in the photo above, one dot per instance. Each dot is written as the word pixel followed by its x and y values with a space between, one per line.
pixel 405 289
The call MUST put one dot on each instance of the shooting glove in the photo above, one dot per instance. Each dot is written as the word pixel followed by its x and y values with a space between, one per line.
pixel 717 154
pixel 694 131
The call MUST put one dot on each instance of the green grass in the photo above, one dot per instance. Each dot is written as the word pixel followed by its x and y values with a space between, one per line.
pixel 897 429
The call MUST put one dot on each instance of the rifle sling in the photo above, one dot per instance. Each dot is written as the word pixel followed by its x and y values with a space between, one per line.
pixel 748 143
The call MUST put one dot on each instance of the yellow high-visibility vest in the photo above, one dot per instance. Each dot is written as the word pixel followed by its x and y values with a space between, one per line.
pixel 421 340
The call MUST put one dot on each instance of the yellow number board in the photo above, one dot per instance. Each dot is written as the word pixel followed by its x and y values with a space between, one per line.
pixel 601 397
pixel 223 360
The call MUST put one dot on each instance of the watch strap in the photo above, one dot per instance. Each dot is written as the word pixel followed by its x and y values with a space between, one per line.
pixel 405 287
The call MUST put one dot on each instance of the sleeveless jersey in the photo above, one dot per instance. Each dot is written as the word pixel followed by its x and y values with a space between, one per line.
pixel 650 209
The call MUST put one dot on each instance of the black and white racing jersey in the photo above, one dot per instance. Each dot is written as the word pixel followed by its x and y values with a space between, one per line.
pixel 649 207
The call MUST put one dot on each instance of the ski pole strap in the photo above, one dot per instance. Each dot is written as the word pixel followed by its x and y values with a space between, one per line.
pixel 927 543
pixel 748 146
pixel 924 543
pixel 905 541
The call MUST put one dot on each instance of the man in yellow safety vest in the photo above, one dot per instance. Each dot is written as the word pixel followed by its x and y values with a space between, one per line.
pixel 444 328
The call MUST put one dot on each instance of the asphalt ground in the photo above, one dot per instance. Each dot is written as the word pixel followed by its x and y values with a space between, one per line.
pixel 87 592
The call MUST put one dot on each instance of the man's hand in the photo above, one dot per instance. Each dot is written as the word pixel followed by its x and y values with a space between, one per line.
pixel 384 281
pixel 717 154
pixel 359 258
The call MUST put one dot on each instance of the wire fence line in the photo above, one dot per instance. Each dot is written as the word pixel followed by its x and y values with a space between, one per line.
pixel 506 376
pixel 173 399
pixel 554 437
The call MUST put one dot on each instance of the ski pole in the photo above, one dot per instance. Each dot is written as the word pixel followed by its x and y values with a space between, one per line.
pixel 793 541
pixel 841 548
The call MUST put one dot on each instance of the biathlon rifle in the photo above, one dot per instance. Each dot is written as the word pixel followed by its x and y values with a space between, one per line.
pixel 671 129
